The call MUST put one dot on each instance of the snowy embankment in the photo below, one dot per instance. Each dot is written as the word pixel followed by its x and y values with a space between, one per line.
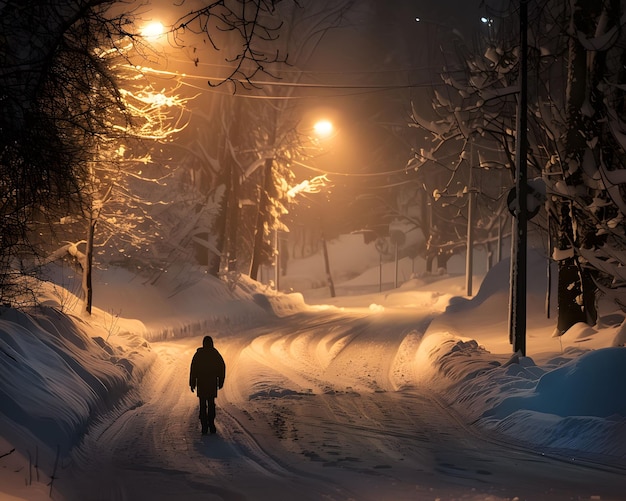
pixel 60 372
pixel 567 396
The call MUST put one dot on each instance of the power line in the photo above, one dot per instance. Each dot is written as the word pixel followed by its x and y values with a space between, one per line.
pixel 297 71
pixel 349 174
pixel 242 95
pixel 267 83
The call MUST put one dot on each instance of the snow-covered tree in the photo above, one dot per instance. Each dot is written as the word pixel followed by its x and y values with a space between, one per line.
pixel 106 104
pixel 53 120
pixel 127 186
pixel 464 151
pixel 49 113
pixel 574 132
pixel 575 49
pixel 253 135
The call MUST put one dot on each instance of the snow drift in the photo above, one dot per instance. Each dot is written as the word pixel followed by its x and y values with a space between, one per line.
pixel 60 373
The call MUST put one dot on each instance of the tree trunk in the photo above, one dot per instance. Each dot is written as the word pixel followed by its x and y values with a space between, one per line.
pixel 262 219
pixel 329 276
pixel 233 218
pixel 427 222
pixel 576 291
pixel 233 142
pixel 215 260
pixel 87 266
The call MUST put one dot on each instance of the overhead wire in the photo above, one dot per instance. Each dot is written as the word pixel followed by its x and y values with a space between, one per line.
pixel 298 71
pixel 241 95
pixel 358 89
pixel 279 83
pixel 349 174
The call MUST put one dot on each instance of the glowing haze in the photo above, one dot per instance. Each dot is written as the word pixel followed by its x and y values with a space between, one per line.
pixel 323 128
pixel 152 30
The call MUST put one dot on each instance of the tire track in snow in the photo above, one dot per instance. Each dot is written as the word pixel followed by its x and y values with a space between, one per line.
pixel 146 452
pixel 275 467
pixel 371 432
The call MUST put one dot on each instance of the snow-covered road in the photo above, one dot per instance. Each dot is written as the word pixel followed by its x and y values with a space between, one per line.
pixel 325 405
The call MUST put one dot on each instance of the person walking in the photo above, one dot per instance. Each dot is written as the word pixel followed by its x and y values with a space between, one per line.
pixel 207 374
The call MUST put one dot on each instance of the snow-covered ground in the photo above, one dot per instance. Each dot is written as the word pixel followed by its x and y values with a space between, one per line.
pixel 411 393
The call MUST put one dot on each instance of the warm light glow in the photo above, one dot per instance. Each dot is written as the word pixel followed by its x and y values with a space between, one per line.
pixel 314 185
pixel 153 30
pixel 159 99
pixel 323 128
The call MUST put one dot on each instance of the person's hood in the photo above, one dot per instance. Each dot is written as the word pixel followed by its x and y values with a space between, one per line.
pixel 203 349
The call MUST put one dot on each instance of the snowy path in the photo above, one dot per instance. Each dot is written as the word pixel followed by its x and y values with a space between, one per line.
pixel 314 407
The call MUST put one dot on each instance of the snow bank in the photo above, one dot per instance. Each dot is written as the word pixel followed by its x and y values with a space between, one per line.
pixel 591 385
pixel 569 393
pixel 574 401
pixel 60 371
pixel 187 304
pixel 55 376
pixel 58 375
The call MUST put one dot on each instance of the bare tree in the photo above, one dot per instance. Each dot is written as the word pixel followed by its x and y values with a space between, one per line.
pixel 243 31
pixel 465 167
pixel 278 140
pixel 575 128
pixel 52 120
pixel 49 115
pixel 254 133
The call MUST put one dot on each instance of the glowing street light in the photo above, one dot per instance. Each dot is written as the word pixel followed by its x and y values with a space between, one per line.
pixel 323 128
pixel 153 30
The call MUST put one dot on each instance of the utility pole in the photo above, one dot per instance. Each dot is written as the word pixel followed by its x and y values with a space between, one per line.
pixel 276 259
pixel 517 302
pixel 469 255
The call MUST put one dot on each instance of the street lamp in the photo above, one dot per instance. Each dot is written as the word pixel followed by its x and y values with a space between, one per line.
pixel 323 128
pixel 152 31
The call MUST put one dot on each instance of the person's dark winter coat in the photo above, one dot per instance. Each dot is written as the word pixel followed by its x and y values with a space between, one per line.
pixel 207 374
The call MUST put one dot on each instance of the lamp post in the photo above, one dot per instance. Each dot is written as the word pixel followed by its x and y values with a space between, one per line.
pixel 469 255
pixel 517 302
pixel 322 129
pixel 471 193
